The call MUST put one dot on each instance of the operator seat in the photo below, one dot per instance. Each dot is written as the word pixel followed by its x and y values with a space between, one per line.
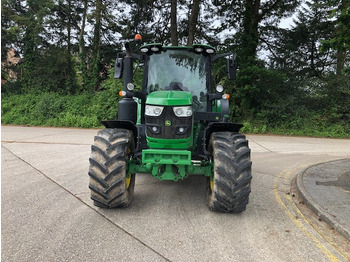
pixel 176 86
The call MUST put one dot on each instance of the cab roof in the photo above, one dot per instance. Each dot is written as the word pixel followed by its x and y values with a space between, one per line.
pixel 198 48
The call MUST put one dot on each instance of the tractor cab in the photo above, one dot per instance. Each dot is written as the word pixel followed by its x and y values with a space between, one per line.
pixel 179 69
pixel 176 102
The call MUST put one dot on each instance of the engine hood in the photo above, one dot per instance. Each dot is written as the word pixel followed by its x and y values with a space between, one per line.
pixel 169 98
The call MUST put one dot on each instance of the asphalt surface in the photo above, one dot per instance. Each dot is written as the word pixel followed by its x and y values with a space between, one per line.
pixel 47 213
pixel 325 188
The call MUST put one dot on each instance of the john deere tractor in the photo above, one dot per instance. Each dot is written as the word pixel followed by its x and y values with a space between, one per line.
pixel 174 126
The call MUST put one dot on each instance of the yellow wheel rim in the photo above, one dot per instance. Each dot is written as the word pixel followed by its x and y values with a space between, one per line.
pixel 127 181
pixel 211 185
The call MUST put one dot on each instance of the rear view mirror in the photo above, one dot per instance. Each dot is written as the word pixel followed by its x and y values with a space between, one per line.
pixel 118 68
pixel 231 68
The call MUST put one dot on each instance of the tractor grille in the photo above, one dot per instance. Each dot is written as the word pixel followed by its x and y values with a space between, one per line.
pixel 168 125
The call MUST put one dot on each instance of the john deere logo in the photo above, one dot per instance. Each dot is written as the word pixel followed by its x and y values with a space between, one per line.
pixel 167 122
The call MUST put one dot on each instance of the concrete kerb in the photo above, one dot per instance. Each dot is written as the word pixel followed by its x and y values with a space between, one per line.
pixel 316 208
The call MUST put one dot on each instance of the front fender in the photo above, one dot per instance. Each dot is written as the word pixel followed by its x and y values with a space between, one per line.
pixel 218 127
pixel 124 124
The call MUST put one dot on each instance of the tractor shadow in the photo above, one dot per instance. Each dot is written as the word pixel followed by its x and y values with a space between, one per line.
pixel 151 193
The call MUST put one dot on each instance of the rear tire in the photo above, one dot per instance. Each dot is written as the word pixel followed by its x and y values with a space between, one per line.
pixel 110 187
pixel 230 188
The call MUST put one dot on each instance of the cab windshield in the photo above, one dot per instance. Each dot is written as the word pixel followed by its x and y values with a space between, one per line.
pixel 180 70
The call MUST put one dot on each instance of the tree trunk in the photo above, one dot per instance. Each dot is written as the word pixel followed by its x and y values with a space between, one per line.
pixel 84 79
pixel 69 26
pixel 250 37
pixel 174 40
pixel 69 83
pixel 82 29
pixel 193 22
pixel 97 29
pixel 95 63
pixel 341 52
pixel 340 61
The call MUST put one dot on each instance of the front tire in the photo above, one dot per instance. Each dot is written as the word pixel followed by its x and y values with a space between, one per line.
pixel 109 184
pixel 229 189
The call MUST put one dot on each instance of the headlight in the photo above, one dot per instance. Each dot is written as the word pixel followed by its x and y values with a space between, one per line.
pixel 153 110
pixel 183 111
pixel 210 51
pixel 198 49
pixel 219 88
pixel 155 48
pixel 130 86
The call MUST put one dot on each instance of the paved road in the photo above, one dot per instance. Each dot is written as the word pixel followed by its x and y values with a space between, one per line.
pixel 47 214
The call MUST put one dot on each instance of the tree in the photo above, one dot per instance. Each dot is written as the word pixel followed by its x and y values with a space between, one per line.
pixel 173 26
pixel 340 40
pixel 82 28
pixel 175 21
pixel 192 22
pixel 11 10
pixel 33 41
pixel 96 55
pixel 94 72
pixel 252 18
pixel 43 30
pixel 63 21
pixel 10 29
pixel 298 51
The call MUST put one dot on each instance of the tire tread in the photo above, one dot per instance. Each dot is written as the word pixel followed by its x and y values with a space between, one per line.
pixel 232 173
pixel 108 168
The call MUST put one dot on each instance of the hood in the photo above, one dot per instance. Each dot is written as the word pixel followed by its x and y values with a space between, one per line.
pixel 169 98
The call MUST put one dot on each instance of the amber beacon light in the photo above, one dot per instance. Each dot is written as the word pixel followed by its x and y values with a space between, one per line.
pixel 138 38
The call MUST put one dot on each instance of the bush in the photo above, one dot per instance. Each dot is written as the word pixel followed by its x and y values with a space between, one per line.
pixel 52 109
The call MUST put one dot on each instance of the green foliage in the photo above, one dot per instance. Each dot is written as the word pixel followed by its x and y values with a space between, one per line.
pixel 297 51
pixel 300 127
pixel 341 36
pixel 11 87
pixel 311 107
pixel 52 109
pixel 258 87
pixel 45 65
pixel 53 72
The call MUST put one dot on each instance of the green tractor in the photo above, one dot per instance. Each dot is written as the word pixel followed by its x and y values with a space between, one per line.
pixel 174 126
